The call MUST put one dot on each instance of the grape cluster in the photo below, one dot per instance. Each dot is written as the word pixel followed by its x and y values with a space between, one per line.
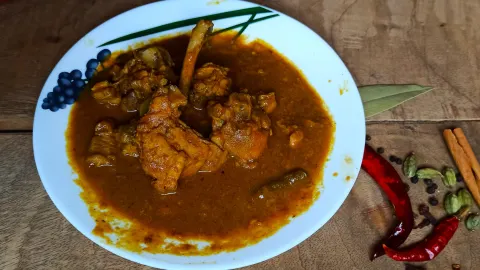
pixel 70 84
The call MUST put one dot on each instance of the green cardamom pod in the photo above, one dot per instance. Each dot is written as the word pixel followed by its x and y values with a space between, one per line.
pixel 465 197
pixel 428 173
pixel 450 178
pixel 452 204
pixel 410 165
pixel 473 222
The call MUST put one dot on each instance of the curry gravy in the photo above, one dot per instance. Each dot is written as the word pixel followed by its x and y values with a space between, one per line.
pixel 215 207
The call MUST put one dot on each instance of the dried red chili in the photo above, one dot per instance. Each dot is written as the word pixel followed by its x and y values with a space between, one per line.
pixel 388 179
pixel 432 245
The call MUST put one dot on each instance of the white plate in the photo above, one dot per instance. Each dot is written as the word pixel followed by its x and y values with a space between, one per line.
pixel 320 64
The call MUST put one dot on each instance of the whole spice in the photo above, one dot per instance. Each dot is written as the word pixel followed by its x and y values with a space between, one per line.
pixel 451 203
pixel 462 140
pixel 414 179
pixel 459 177
pixel 425 211
pixel 473 222
pixel 450 179
pixel 428 182
pixel 431 190
pixel 380 150
pixel 292 178
pixel 428 173
pixel 410 165
pixel 464 197
pixel 456 266
pixel 433 201
pixel 463 161
pixel 432 245
pixel 390 182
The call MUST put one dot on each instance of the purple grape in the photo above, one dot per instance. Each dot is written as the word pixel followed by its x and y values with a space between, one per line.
pixel 57 89
pixel 89 73
pixel 69 92
pixel 63 106
pixel 60 98
pixel 78 84
pixel 92 64
pixel 69 100
pixel 50 95
pixel 64 83
pixel 103 55
pixel 64 75
pixel 45 105
pixel 75 74
pixel 54 108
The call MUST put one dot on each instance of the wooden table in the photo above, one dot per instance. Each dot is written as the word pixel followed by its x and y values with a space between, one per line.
pixel 430 42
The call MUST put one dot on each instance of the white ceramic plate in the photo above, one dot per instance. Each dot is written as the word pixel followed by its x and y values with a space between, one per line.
pixel 320 64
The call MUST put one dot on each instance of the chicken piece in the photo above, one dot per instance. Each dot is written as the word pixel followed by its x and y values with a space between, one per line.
pixel 169 149
pixel 295 138
pixel 267 102
pixel 149 70
pixel 126 140
pixel 105 93
pixel 197 39
pixel 285 128
pixel 210 81
pixel 240 127
pixel 160 160
pixel 103 148
pixel 156 57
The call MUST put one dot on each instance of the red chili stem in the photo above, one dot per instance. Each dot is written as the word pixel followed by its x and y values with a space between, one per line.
pixel 390 182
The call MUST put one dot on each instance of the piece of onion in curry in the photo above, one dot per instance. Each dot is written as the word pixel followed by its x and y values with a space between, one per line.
pixel 228 156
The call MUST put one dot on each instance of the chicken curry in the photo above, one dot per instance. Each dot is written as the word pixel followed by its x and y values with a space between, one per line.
pixel 196 137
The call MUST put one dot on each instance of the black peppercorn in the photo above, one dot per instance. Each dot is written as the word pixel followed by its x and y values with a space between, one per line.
pixel 380 150
pixel 459 177
pixel 433 201
pixel 431 189
pixel 428 182
pixel 368 137
pixel 414 179
pixel 423 209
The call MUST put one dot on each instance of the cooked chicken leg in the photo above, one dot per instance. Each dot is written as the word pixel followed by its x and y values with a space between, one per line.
pixel 199 34
pixel 169 149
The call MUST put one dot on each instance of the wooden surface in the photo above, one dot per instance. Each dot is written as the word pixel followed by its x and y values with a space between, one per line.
pixel 431 42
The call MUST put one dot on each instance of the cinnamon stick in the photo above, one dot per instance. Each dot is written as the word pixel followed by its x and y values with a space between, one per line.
pixel 462 162
pixel 462 140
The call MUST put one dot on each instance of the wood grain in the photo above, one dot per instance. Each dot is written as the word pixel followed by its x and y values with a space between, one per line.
pixel 36 236
pixel 431 42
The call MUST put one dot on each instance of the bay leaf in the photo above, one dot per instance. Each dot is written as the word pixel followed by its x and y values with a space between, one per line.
pixel 382 97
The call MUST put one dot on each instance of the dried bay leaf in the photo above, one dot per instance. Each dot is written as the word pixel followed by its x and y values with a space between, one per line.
pixel 381 97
